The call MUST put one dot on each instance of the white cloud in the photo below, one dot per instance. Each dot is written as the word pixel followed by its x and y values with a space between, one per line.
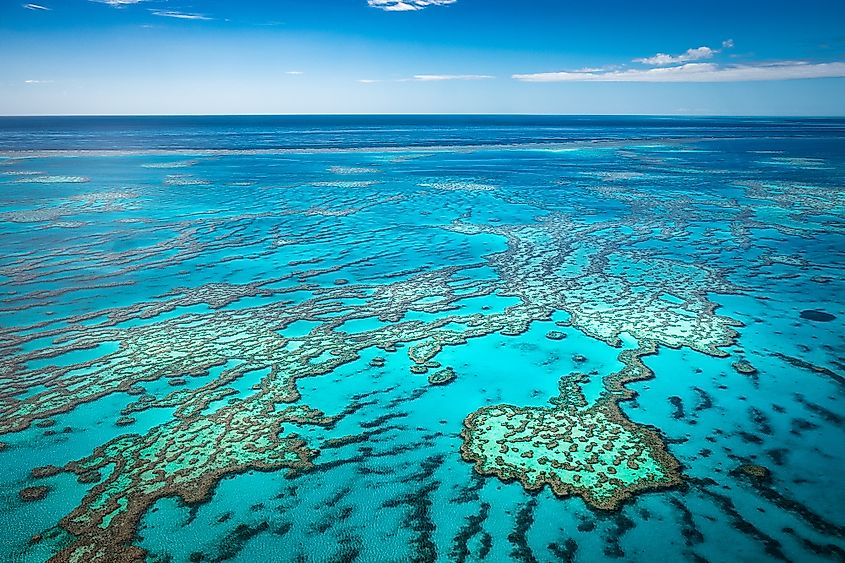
pixel 406 5
pixel 294 72
pixel 698 72
pixel 36 7
pixel 119 3
pixel 37 81
pixel 179 15
pixel 439 77
pixel 696 54
pixel 661 59
pixel 430 78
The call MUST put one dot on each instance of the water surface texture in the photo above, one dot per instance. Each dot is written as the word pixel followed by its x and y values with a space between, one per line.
pixel 422 339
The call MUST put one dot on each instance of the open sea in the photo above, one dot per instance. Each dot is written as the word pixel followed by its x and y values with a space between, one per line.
pixel 422 338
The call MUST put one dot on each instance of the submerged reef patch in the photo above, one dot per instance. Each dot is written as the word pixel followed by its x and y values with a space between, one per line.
pixel 592 451
pixel 817 315
pixel 576 452
pixel 442 377
pixel 30 494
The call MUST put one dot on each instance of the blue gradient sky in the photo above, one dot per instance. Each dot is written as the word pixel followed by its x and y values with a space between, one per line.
pixel 415 56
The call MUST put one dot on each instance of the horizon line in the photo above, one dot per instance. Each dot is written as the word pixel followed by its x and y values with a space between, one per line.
pixel 428 114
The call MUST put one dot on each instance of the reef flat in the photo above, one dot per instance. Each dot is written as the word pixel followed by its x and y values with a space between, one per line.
pixel 523 346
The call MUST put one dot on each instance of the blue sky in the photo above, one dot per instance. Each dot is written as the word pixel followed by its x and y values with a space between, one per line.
pixel 422 56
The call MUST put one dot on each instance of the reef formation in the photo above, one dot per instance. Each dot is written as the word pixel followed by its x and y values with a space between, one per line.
pixel 227 361
pixel 592 451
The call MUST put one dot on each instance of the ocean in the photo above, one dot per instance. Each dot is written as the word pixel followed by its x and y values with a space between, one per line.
pixel 422 338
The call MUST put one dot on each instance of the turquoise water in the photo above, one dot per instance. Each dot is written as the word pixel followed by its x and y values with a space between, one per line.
pixel 422 339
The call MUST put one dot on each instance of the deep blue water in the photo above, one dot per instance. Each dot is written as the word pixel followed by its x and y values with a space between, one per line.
pixel 422 338
pixel 346 132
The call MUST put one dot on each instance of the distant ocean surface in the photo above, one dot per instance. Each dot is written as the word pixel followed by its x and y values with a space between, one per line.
pixel 422 338
pixel 366 131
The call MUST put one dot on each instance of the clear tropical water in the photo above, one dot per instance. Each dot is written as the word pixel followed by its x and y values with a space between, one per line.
pixel 422 338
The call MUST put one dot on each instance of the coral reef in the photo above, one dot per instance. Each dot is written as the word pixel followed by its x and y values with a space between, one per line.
pixel 226 360
pixel 592 451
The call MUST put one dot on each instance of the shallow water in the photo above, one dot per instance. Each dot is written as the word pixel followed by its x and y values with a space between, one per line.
pixel 392 339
